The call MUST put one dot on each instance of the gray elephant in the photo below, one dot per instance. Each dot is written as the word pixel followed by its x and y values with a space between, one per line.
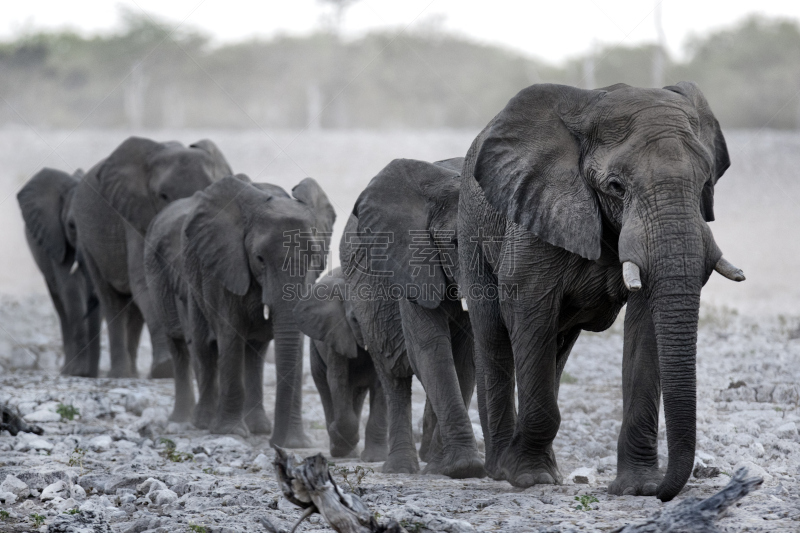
pixel 246 249
pixel 113 206
pixel 399 257
pixel 574 202
pixel 342 369
pixel 46 202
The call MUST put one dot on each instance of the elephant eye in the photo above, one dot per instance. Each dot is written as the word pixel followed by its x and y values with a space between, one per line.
pixel 260 259
pixel 164 197
pixel 616 187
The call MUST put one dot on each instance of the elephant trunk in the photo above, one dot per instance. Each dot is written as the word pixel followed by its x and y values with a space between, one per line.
pixel 289 375
pixel 676 253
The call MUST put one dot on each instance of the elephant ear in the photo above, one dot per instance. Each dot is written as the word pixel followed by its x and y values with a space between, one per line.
pixel 322 316
pixel 124 180
pixel 220 167
pixel 528 164
pixel 215 234
pixel 395 214
pixel 712 138
pixel 311 194
pixel 41 201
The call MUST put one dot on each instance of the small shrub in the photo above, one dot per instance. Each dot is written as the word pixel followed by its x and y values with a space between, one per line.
pixel 197 529
pixel 585 502
pixel 412 527
pixel 76 457
pixel 38 519
pixel 173 455
pixel 67 412
pixel 358 472
pixel 4 515
pixel 74 510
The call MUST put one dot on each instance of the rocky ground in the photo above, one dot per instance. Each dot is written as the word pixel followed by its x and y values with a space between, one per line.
pixel 120 466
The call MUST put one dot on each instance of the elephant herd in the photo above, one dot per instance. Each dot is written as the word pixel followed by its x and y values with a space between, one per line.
pixel 476 272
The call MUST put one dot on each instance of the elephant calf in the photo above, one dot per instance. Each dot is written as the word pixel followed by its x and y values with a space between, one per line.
pixel 342 369
pixel 222 261
pixel 46 202
pixel 399 258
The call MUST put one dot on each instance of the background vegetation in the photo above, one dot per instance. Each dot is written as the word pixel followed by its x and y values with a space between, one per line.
pixel 147 75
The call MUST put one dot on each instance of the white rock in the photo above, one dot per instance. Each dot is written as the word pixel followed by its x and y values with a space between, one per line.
pixel 162 497
pixel 77 492
pixel 787 431
pixel 262 462
pixel 65 505
pixel 42 415
pixel 8 498
pixel 15 486
pixel 137 402
pixel 38 444
pixel 150 485
pixel 583 476
pixel 100 443
pixel 59 489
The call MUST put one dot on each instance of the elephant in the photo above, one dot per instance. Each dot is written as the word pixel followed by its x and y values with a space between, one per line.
pixel 113 205
pixel 46 201
pixel 246 249
pixel 398 256
pixel 342 369
pixel 573 203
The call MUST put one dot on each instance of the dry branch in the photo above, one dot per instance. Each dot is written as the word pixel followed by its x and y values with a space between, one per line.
pixel 309 485
pixel 13 423
pixel 698 516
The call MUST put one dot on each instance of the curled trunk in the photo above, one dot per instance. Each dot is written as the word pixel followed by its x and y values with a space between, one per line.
pixel 289 375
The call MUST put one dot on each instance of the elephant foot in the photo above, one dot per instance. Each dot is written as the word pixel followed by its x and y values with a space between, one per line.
pixel 117 373
pixel 342 449
pixel 78 371
pixel 230 426
pixel 636 482
pixel 457 463
pixel 181 413
pixel 523 469
pixel 295 439
pixel 374 453
pixel 162 369
pixel 202 417
pixel 258 422
pixel 344 438
pixel 400 463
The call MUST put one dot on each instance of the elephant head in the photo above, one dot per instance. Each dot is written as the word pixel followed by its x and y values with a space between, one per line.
pixel 628 172
pixel 325 315
pixel 419 232
pixel 142 176
pixel 255 237
pixel 46 202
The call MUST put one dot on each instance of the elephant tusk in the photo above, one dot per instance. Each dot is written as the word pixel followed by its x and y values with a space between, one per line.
pixel 725 268
pixel 630 275
pixel 74 268
pixel 366 348
pixel 464 304
pixel 266 312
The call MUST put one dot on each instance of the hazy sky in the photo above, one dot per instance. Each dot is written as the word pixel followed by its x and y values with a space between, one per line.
pixel 552 30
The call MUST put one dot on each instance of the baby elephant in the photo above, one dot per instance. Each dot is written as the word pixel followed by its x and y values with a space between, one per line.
pixel 342 369
pixel 46 202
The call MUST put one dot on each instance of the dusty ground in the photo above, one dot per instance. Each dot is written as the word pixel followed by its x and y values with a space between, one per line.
pixel 748 415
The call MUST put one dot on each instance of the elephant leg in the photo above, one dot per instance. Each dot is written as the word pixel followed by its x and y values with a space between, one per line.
pixel 375 445
pixel 255 416
pixel 319 372
pixel 134 323
pixel 402 457
pixel 116 308
pixel 637 448
pixel 161 366
pixel 205 356
pixel 427 446
pixel 529 458
pixel 343 431
pixel 229 418
pixel 184 391
pixel 427 335
pixel 494 362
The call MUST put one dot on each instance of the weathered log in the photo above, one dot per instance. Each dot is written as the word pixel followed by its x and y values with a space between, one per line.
pixel 309 485
pixel 697 516
pixel 13 423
